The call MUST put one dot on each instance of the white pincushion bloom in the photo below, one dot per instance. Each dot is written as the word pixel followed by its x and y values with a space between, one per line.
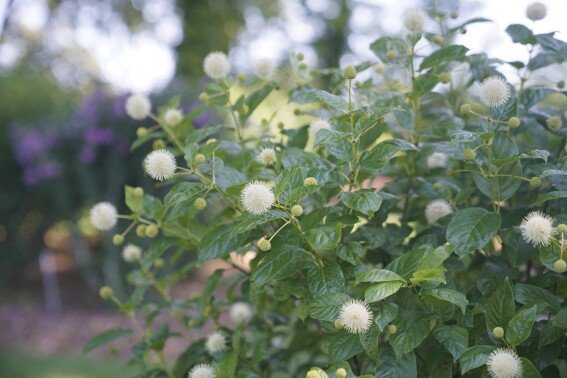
pixel 138 106
pixel 355 316
pixel 240 313
pixel 160 164
pixel 264 68
pixel 216 65
pixel 537 228
pixel 317 125
pixel 172 117
pixel 494 91
pixel 436 210
pixel 202 371
pixel 215 343
pixel 437 160
pixel 104 216
pixel 132 253
pixel 267 156
pixel 257 197
pixel 503 363
pixel 536 11
pixel 414 20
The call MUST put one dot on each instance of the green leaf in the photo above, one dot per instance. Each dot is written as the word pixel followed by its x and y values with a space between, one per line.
pixel 552 45
pixel 474 357
pixel 520 326
pixel 106 337
pixel 369 341
pixel 218 243
pixel 209 288
pixel 387 312
pixel 366 201
pixel 454 338
pixel 326 279
pixel 326 136
pixel 448 295
pixel 382 153
pixel 528 369
pixel 409 336
pixel 501 308
pixel 330 99
pixel 133 202
pixel 381 46
pixel 248 221
pixel 200 134
pixel 381 290
pixel 344 345
pixel 159 337
pixel 471 229
pixel 446 54
pixel 228 364
pixel 377 275
pixel 429 275
pixel 521 34
pixel 533 95
pixel 560 320
pixel 183 192
pixel 156 250
pixel 328 306
pixel 391 367
pixel 326 236
pixel 280 263
pixel 258 96
pixel 434 258
pixel 550 196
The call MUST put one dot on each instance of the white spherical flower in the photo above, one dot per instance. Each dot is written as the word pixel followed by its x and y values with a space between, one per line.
pixel 104 216
pixel 240 313
pixel 216 65
pixel 536 11
pixel 264 68
pixel 132 253
pixel 494 91
pixel 257 197
pixel 172 117
pixel 317 125
pixel 138 106
pixel 437 160
pixel 414 20
pixel 503 363
pixel 267 156
pixel 202 371
pixel 537 228
pixel 215 343
pixel 436 210
pixel 355 316
pixel 160 164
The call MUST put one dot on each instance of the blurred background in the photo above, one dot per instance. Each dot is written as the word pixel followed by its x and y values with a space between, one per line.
pixel 66 67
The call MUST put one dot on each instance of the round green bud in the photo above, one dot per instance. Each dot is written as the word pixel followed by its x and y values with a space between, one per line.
pixel 498 332
pixel 191 323
pixel 463 31
pixel 562 228
pixel 200 159
pixel 296 112
pixel 554 123
pixel 365 116
pixel 437 39
pixel 535 182
pixel 469 154
pixel 138 192
pixel 297 210
pixel 466 108
pixel 341 373
pixel 391 54
pixel 216 327
pixel 379 68
pixel 117 239
pixel 106 292
pixel 158 144
pixel 281 125
pixel 243 110
pixel 264 245
pixel 303 66
pixel 561 84
pixel 141 132
pixel 141 230
pixel 454 15
pixel 514 122
pixel 338 324
pixel 300 83
pixel 210 140
pixel 241 77
pixel 151 231
pixel 392 329
pixel 203 97
pixel 200 203
pixel 349 72
pixel 444 77
pixel 560 266
pixel 159 263
pixel 300 56
pixel 437 186
pixel 358 84
pixel 313 374
pixel 449 172
pixel 310 181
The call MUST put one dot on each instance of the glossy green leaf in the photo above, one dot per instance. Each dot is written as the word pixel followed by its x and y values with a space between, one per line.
pixel 471 229
pixel 474 357
pixel 448 295
pixel 520 326
pixel 366 201
pixel 328 306
pixel 454 338
pixel 501 308
pixel 446 54
pixel 106 337
pixel 280 263
pixel 382 153
pixel 322 280
pixel 378 275
pixel 381 290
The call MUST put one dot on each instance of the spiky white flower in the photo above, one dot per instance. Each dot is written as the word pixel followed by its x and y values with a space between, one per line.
pixel 172 116
pixel 160 164
pixel 436 210
pixel 215 342
pixel 536 11
pixel 216 65
pixel 267 156
pixel 494 91
pixel 138 106
pixel 503 363
pixel 537 228
pixel 355 316
pixel 264 68
pixel 318 124
pixel 240 313
pixel 132 253
pixel 104 216
pixel 202 371
pixel 414 20
pixel 437 160
pixel 257 197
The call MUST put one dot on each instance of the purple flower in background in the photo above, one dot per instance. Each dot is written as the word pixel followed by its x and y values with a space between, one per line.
pixel 33 175
pixel 103 136
pixel 119 106
pixel 87 154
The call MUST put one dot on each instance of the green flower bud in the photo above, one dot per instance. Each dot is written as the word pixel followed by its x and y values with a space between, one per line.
pixel 303 66
pixel 106 292
pixel 454 15
pixel 561 84
pixel 444 77
pixel 338 324
pixel 341 373
pixel 200 159
pixel 437 186
pixel 200 203
pixel 554 123
pixel 392 329
pixel 300 83
pixel 466 108
pixel 191 323
pixel 498 332
pixel 379 68
pixel 391 54
pixel 300 56
pixel 437 39
pixel 151 231
pixel 349 72
pixel 138 192
pixel 241 77
pixel 310 181
pixel 159 263
pixel 562 228
pixel 313 374
pixel 469 154
pixel 158 144
pixel 296 112
pixel 297 210
pixel 514 122
pixel 560 266
pixel 264 245
pixel 141 230
pixel 211 140
pixel 141 132
pixel 117 239
pixel 535 182
pixel 243 110
pixel 449 172
pixel 203 97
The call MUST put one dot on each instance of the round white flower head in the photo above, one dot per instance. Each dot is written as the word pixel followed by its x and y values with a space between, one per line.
pixel 494 91
pixel 138 106
pixel 264 68
pixel 215 342
pixel 537 228
pixel 216 65
pixel 267 156
pixel 414 20
pixel 104 216
pixel 160 164
pixel 257 197
pixel 536 11
pixel 132 253
pixel 503 363
pixel 437 160
pixel 436 210
pixel 240 313
pixel 317 125
pixel 202 371
pixel 355 316
pixel 172 116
